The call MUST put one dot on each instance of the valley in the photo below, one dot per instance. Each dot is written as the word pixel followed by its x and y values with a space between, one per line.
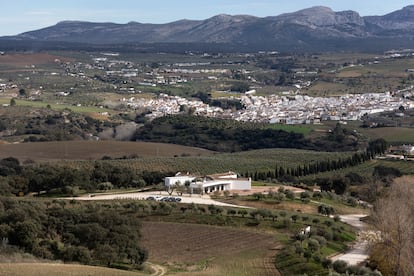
pixel 121 145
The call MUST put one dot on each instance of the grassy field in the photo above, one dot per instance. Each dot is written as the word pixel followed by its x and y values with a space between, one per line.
pixel 390 68
pixel 56 106
pixel 393 135
pixel 326 89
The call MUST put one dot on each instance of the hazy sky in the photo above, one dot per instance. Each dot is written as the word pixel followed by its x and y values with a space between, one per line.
pixel 26 15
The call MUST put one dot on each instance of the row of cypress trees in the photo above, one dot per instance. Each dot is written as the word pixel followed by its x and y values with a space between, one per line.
pixel 375 147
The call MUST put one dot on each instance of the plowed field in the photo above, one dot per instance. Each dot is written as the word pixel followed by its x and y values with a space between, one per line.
pixel 90 150
pixel 209 250
pixel 20 60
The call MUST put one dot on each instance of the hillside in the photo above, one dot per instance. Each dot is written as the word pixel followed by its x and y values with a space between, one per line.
pixel 89 150
pixel 302 30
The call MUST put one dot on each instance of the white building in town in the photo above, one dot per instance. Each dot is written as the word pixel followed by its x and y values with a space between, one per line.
pixel 210 183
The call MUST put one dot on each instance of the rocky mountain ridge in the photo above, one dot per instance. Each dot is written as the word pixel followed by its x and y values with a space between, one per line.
pixel 305 28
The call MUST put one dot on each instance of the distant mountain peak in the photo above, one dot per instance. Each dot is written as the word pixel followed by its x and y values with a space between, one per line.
pixel 410 7
pixel 231 18
pixel 66 22
pixel 315 9
pixel 311 28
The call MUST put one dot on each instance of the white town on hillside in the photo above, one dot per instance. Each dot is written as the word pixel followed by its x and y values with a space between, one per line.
pixel 290 107
pixel 296 109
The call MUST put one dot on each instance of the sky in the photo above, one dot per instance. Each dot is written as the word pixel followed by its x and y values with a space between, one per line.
pixel 27 15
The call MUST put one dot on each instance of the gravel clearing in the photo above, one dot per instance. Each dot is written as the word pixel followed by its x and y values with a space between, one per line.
pixel 197 199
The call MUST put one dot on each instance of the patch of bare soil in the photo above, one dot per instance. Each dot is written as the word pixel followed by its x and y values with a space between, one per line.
pixel 35 269
pixel 178 243
pixel 19 60
pixel 90 150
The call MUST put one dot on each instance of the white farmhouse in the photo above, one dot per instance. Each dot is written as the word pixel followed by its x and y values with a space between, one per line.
pixel 210 183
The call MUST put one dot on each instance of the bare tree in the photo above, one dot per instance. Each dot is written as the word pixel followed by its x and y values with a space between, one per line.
pixel 393 216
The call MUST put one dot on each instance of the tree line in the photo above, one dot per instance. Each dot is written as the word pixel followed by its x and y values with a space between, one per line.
pixel 96 234
pixel 375 147
pixel 232 136
pixel 103 175
pixel 67 180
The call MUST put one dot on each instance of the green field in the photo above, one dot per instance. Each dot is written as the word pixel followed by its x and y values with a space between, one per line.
pixel 56 106
pixel 241 162
pixel 393 135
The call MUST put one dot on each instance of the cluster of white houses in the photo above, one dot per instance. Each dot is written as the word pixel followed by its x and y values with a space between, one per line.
pixel 210 183
pixel 297 109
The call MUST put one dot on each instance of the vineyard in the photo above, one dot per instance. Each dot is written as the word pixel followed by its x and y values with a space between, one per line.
pixel 241 162
pixel 33 269
pixel 216 250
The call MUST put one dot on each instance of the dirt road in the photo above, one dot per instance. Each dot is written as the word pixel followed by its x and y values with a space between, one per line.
pixel 197 199
pixel 358 253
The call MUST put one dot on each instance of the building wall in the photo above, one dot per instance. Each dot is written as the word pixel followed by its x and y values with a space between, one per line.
pixel 172 180
pixel 221 183
pixel 241 184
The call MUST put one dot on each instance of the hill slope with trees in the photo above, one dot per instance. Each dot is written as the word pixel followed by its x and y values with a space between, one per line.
pixel 231 136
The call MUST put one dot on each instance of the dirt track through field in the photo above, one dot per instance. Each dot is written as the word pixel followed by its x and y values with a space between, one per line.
pixel 158 270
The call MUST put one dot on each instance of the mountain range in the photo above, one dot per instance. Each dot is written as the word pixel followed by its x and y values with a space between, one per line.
pixel 316 28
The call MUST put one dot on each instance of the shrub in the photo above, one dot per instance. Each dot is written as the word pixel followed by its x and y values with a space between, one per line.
pixel 340 266
pixel 313 245
pixel 105 186
pixel 231 212
pixel 304 195
pixel 307 254
pixel 317 195
pixel 289 194
pixel 317 258
pixel 353 270
pixel 328 223
pixel 322 241
pixel 254 222
pixel 326 263
pixel 286 223
pixel 242 212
